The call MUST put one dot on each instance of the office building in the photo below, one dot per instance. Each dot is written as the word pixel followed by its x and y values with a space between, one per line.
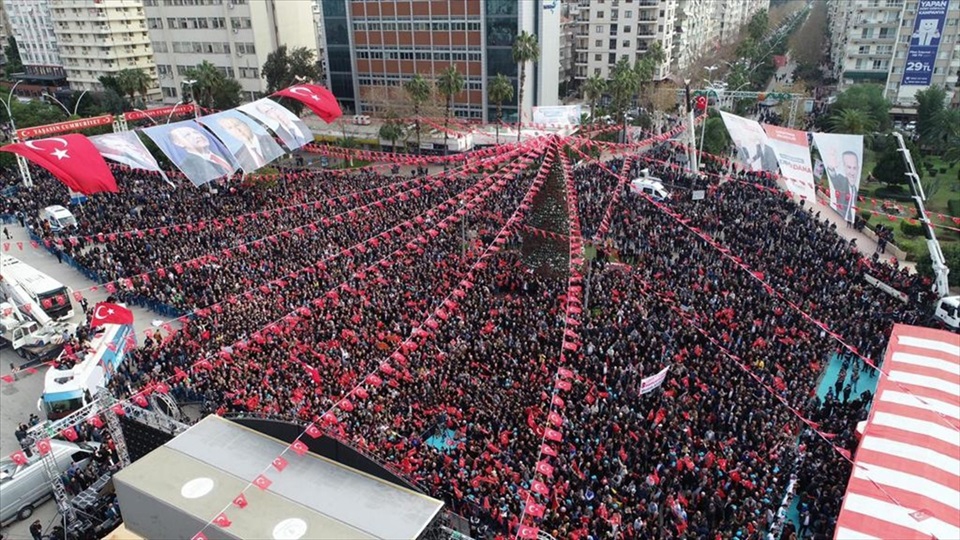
pixel 372 47
pixel 874 41
pixel 101 38
pixel 33 28
pixel 234 35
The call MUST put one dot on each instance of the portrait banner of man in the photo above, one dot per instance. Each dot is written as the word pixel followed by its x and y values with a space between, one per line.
pixel 195 151
pixel 842 157
pixel 127 149
pixel 793 154
pixel 249 143
pixel 291 130
pixel 753 148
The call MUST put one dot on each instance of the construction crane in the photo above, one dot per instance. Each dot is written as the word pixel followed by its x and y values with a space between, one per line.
pixel 947 308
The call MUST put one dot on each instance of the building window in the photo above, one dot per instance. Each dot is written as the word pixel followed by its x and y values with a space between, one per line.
pixel 598 29
pixel 596 71
pixel 169 92
pixel 599 14
pixel 249 73
pixel 628 14
pixel 598 43
pixel 598 58
pixel 864 49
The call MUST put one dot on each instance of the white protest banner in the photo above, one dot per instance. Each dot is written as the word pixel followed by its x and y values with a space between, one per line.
pixel 793 153
pixel 843 161
pixel 560 115
pixel 751 141
pixel 651 383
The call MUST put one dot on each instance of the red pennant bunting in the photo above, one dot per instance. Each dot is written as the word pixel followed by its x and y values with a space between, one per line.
pixel 279 463
pixel 240 501
pixel 262 482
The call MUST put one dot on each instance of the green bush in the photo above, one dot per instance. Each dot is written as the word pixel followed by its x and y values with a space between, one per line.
pixel 951 252
pixel 895 192
pixel 953 207
pixel 910 230
pixel 865 215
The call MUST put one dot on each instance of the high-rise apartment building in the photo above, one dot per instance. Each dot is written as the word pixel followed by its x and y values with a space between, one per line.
pixel 905 45
pixel 5 33
pixel 234 35
pixel 101 38
pixel 685 29
pixel 372 46
pixel 33 28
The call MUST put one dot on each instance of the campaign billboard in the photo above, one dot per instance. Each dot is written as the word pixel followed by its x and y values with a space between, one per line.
pixel 793 154
pixel 843 165
pixel 924 42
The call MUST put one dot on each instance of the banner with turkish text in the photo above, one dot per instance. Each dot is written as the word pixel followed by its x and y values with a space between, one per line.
pixel 842 157
pixel 793 153
pixel 753 149
pixel 248 141
pixel 196 152
pixel 651 383
pixel 291 130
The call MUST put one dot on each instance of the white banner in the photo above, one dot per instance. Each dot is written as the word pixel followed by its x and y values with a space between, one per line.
pixel 126 148
pixel 793 153
pixel 842 157
pixel 562 115
pixel 753 149
pixel 651 383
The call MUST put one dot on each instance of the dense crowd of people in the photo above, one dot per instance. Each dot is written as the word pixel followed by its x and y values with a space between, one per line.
pixel 358 295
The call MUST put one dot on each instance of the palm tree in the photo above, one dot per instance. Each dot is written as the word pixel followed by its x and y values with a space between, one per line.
pixel 449 84
pixel 134 81
pixel 593 89
pixel 392 131
pixel 624 83
pixel 419 91
pixel 208 78
pixel 647 66
pixel 945 134
pixel 499 90
pixel 525 49
pixel 852 121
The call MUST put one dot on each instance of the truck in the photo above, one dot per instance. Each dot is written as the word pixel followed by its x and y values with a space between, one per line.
pixel 946 309
pixel 72 383
pixel 649 185
pixel 28 338
pixel 24 285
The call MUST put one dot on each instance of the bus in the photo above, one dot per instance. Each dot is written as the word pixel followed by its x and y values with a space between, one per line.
pixel 69 385
pixel 49 294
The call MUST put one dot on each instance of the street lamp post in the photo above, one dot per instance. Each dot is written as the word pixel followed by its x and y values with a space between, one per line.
pixel 21 161
pixel 174 109
pixel 76 106
pixel 193 97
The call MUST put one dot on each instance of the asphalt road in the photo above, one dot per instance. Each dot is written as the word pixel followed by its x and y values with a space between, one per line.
pixel 19 399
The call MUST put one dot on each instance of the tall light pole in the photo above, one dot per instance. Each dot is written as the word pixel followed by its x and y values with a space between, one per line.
pixel 76 105
pixel 21 161
pixel 174 109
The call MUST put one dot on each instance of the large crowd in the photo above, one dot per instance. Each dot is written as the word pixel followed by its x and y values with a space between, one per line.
pixel 299 305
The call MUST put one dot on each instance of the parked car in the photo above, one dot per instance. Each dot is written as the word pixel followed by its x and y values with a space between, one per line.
pixel 24 487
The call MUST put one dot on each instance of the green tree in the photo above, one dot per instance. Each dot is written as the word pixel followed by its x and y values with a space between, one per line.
pixel 945 135
pixel 758 25
pixel 852 121
pixel 212 88
pixel 716 140
pixel 392 130
pixel 889 168
pixel 624 83
pixel 499 90
pixel 449 84
pixel 419 91
pixel 867 98
pixel 593 89
pixel 646 68
pixel 133 81
pixel 284 68
pixel 12 52
pixel 525 50
pixel 930 102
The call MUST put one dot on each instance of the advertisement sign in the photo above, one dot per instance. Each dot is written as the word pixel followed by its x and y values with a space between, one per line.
pixel 924 42
pixel 793 153
pixel 842 157
pixel 562 115
pixel 71 125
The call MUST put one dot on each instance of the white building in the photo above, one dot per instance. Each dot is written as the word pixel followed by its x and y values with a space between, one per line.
pixel 33 29
pixel 100 38
pixel 877 40
pixel 234 35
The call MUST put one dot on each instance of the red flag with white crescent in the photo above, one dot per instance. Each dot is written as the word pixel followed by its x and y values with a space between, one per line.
pixel 72 158
pixel 317 98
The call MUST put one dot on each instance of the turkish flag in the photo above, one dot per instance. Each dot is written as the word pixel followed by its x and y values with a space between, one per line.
pixel 539 487
pixel 553 435
pixel 72 158
pixel 140 400
pixel 262 482
pixel 528 532
pixel 96 422
pixel 222 521
pixel 544 468
pixel 557 401
pixel 548 450
pixel 564 385
pixel 317 98
pixel 555 419
pixel 535 510
pixel 565 373
pixel 199 536
pixel 299 448
pixel 107 313
pixel 313 431
pixel 279 463
pixel 240 501
pixel 19 457
pixel 70 434
pixel 43 446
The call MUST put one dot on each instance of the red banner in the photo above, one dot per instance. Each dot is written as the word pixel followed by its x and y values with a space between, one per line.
pixel 60 127
pixel 161 112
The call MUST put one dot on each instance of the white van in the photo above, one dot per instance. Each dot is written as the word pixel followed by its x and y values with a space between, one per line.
pixel 649 185
pixel 23 487
pixel 58 217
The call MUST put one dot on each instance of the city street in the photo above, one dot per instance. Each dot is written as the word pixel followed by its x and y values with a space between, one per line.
pixel 19 399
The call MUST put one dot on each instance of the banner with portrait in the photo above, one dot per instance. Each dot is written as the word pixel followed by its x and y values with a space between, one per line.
pixel 753 150
pixel 291 130
pixel 195 151
pixel 126 148
pixel 793 154
pixel 248 142
pixel 842 157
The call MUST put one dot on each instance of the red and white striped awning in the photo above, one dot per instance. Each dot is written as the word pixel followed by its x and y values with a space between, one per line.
pixel 905 482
